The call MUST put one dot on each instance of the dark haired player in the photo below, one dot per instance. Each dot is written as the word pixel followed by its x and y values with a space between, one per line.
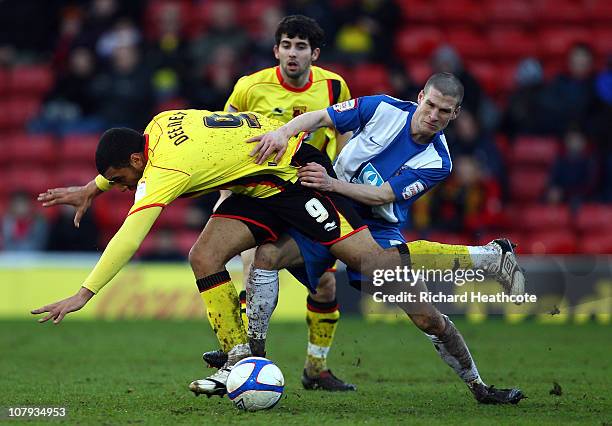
pixel 283 92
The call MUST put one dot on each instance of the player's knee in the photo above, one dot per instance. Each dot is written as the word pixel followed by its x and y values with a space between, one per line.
pixel 429 323
pixel 204 261
pixel 326 289
pixel 267 257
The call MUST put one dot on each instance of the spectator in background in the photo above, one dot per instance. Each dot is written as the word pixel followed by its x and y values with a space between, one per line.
pixel 402 86
pixel 574 174
pixel 71 105
pixel 446 59
pixel 571 95
pixel 468 201
pixel 321 11
pixel 368 30
pixel 23 228
pixel 63 236
pixel 467 139
pixel 101 16
pixel 600 125
pixel 223 30
pixel 217 79
pixel 167 55
pixel 124 93
pixel 260 48
pixel 528 111
pixel 71 25
pixel 123 33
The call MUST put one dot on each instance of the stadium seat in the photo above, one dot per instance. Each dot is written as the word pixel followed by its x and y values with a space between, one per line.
pixel 487 75
pixel 527 184
pixel 31 149
pixel 419 71
pixel 553 242
pixel 595 217
pixel 419 11
pixel 4 82
pixel 545 217
pixel 460 12
pixel 550 242
pixel 469 43
pixel 417 42
pixel 599 11
pixel 31 79
pixel 560 12
pixel 30 178
pixel 15 112
pixel 596 243
pixel 369 79
pixel 509 12
pixel 534 151
pixel 511 43
pixel 556 42
pixel 111 209
pixel 602 40
pixel 79 148
pixel 75 174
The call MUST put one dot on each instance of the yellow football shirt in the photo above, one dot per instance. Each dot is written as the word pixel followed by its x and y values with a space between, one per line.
pixel 267 93
pixel 193 152
pixel 189 153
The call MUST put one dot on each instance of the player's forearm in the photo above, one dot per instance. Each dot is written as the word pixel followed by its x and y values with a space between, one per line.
pixel 308 122
pixel 121 248
pixel 365 194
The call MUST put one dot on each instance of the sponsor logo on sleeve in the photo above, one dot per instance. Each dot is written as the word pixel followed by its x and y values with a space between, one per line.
pixel 345 106
pixel 413 189
pixel 370 176
pixel 141 191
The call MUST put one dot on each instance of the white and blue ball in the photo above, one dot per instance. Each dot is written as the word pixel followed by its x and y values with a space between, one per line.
pixel 255 384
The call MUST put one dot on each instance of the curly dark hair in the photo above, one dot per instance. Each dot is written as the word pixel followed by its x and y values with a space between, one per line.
pixel 302 27
pixel 116 146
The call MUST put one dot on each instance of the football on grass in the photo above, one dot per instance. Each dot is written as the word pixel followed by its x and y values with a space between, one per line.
pixel 255 384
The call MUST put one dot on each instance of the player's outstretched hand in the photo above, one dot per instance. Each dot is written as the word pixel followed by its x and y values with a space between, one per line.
pixel 58 310
pixel 268 144
pixel 80 197
pixel 314 175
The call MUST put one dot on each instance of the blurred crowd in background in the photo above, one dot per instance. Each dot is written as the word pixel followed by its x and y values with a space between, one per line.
pixel 531 148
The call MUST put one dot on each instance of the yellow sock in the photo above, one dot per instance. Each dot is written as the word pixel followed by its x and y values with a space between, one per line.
pixel 322 319
pixel 243 314
pixel 430 255
pixel 223 309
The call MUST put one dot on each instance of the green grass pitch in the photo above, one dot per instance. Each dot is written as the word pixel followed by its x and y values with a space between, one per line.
pixel 137 372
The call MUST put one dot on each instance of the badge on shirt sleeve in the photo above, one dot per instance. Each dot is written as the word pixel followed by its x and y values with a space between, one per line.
pixel 141 191
pixel 345 106
pixel 413 189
